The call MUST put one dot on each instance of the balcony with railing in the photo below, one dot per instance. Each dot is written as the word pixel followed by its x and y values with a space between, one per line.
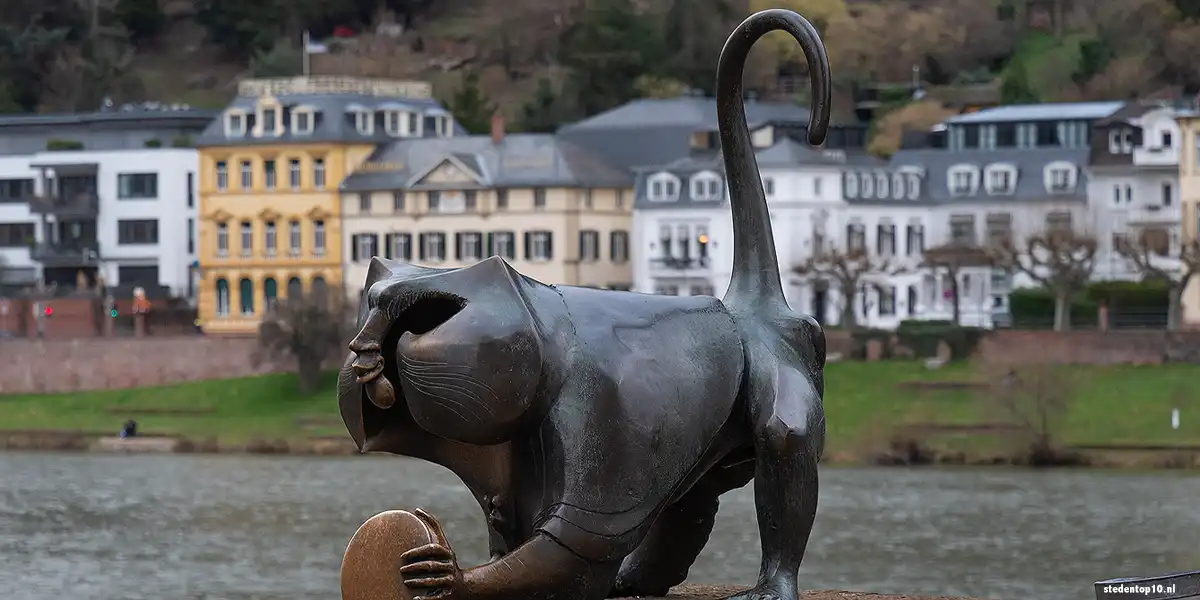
pixel 1153 213
pixel 72 254
pixel 75 205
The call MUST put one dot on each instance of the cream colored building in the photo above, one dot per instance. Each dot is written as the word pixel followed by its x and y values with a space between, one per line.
pixel 1189 196
pixel 554 211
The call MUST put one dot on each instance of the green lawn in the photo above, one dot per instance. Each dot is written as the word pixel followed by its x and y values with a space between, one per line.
pixel 862 400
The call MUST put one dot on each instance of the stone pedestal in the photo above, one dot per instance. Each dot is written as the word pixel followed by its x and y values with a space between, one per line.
pixel 139 325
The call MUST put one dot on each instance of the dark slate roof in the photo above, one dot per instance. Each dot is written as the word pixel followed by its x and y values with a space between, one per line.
pixel 1054 111
pixel 520 160
pixel 332 122
pixel 1030 164
pixel 1131 110
pixel 658 131
pixel 136 117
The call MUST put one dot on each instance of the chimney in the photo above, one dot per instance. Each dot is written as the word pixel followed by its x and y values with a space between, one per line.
pixel 497 128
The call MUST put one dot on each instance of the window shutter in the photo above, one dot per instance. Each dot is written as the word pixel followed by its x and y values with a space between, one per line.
pixel 528 245
pixel 458 246
pixel 408 249
pixel 374 246
pixel 490 251
pixel 421 246
pixel 388 243
pixel 582 237
pixel 549 245
pixel 354 247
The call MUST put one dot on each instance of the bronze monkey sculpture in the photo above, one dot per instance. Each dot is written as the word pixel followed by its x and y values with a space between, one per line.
pixel 598 428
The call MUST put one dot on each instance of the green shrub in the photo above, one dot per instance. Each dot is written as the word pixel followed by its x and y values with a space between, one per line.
pixel 56 145
pixel 1034 308
pixel 153 143
pixel 183 141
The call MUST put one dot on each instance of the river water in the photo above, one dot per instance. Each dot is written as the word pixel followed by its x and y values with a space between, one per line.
pixel 179 527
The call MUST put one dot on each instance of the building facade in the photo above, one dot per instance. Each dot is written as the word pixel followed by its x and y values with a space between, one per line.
pixel 1189 196
pixel 554 211
pixel 1134 184
pixel 270 168
pixel 111 195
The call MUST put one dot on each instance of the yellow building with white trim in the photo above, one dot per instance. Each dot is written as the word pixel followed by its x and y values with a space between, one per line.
pixel 270 167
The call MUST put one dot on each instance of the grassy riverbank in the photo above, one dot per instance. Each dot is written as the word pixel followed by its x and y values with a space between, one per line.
pixel 867 405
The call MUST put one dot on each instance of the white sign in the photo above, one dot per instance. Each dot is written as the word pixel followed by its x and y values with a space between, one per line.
pixel 1174 418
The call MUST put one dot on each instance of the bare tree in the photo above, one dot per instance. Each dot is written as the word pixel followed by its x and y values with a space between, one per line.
pixel 1035 400
pixel 847 271
pixel 951 259
pixel 1061 260
pixel 309 329
pixel 1152 255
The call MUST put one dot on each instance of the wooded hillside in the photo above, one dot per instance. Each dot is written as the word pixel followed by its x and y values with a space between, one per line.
pixel 546 62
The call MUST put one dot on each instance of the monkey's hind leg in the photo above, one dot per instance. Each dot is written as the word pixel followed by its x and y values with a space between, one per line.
pixel 789 437
pixel 662 560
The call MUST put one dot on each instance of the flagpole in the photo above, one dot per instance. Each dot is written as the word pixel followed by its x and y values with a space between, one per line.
pixel 304 49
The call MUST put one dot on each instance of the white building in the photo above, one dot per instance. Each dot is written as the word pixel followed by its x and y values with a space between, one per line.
pixel 113 197
pixel 1133 184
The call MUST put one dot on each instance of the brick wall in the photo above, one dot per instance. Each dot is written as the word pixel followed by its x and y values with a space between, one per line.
pixel 55 366
pixel 1090 347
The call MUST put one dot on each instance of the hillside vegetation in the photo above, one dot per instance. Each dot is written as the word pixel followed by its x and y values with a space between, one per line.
pixel 544 62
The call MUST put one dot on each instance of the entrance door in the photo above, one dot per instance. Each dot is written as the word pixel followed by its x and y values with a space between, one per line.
pixel 820 301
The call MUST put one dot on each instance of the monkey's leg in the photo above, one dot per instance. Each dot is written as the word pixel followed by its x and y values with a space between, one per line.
pixel 789 437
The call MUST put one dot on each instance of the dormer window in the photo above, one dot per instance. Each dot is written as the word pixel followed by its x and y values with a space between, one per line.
pixel 364 122
pixel 868 185
pixel 235 123
pixel 1060 177
pixel 1001 179
pixel 302 121
pixel 851 185
pixel 963 180
pixel 881 185
pixel 393 121
pixel 706 186
pixel 663 187
pixel 1120 141
pixel 914 186
pixel 897 186
pixel 270 120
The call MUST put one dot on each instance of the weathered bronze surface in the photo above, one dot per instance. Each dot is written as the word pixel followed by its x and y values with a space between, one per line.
pixel 598 428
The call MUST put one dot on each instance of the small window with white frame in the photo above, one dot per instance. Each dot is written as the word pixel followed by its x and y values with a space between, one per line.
pixel 393 121
pixel 1001 179
pixel 706 186
pixel 235 123
pixel 663 187
pixel 364 121
pixel 914 185
pixel 851 185
pixel 962 180
pixel 897 186
pixel 1060 177
pixel 302 121
pixel 868 185
pixel 881 185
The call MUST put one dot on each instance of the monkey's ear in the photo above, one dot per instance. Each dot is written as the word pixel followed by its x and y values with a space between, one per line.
pixel 380 269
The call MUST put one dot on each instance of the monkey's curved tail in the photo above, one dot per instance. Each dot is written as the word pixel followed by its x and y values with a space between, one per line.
pixel 756 278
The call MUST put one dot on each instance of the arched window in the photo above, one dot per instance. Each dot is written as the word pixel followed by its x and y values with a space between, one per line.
pixel 320 291
pixel 222 298
pixel 294 289
pixel 246 295
pixel 270 294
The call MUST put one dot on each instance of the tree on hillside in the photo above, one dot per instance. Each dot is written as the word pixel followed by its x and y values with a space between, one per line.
pixel 692 30
pixel 470 107
pixel 611 45
pixel 1152 254
pixel 545 111
pixel 309 329
pixel 951 259
pixel 1061 260
pixel 848 271
pixel 921 115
